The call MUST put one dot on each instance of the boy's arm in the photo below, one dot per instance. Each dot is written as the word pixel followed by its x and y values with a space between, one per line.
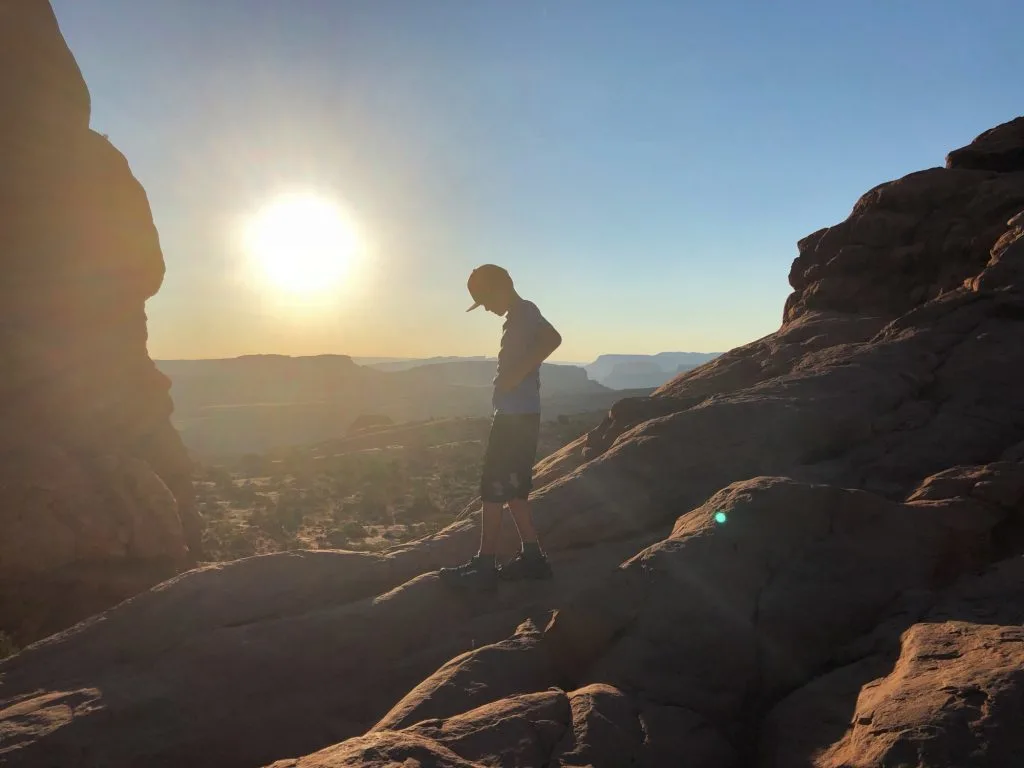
pixel 546 342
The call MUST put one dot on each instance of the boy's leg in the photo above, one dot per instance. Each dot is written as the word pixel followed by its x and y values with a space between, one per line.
pixel 493 486
pixel 525 453
pixel 480 569
pixel 520 510
pixel 490 527
pixel 530 563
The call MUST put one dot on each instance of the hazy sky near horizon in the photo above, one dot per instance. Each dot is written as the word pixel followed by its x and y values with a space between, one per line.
pixel 643 168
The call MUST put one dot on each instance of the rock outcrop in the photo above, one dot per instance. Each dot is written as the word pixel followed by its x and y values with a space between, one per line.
pixel 806 552
pixel 95 489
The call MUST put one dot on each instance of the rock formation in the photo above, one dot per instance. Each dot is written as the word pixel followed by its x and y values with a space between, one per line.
pixel 806 552
pixel 95 490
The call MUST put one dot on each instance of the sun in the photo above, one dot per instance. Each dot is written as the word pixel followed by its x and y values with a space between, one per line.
pixel 303 244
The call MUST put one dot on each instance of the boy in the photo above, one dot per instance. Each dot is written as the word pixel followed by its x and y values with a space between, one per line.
pixel 527 340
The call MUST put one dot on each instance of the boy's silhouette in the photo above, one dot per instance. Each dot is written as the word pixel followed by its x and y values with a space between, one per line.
pixel 527 340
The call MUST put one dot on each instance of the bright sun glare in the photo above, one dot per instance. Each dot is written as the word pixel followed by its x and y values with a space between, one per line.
pixel 303 244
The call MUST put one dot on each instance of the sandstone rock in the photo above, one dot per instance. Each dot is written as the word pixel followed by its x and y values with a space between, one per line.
pixel 806 723
pixel 48 97
pixel 95 500
pixel 735 612
pixel 947 693
pixel 595 726
pixel 998 149
pixel 951 700
pixel 1005 268
pixel 518 732
pixel 605 728
pixel 610 728
pixel 297 650
pixel 479 677
pixel 382 750
pixel 896 229
pixel 710 624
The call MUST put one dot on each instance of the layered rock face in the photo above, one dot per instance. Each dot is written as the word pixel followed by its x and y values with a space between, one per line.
pixel 95 496
pixel 806 552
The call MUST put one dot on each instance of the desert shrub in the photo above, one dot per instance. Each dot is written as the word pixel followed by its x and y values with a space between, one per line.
pixel 290 515
pixel 337 539
pixel 253 465
pixel 340 512
pixel 269 520
pixel 243 494
pixel 227 540
pixel 353 530
pixel 371 510
pixel 322 496
pixel 420 509
pixel 220 477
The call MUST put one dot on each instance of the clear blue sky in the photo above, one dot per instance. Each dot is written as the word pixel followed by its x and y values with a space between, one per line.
pixel 643 167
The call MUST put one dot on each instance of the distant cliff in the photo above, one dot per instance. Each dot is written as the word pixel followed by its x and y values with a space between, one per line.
pixel 640 371
pixel 258 402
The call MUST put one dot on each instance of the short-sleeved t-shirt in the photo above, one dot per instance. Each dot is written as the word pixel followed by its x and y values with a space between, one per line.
pixel 523 322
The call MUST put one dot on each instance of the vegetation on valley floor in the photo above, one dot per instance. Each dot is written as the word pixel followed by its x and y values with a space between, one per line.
pixel 364 492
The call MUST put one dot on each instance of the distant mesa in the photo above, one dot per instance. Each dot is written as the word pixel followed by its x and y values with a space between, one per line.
pixel 616 371
pixel 405 363
pixel 257 403
pixel 644 371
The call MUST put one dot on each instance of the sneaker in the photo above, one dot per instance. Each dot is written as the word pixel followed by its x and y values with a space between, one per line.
pixel 473 573
pixel 524 566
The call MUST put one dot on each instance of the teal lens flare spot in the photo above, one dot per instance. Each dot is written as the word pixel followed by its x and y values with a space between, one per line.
pixel 720 517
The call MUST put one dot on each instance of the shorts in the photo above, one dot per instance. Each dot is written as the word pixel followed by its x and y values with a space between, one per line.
pixel 509 458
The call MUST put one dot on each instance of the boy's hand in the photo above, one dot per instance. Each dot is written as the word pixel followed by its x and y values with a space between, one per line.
pixel 547 342
pixel 504 384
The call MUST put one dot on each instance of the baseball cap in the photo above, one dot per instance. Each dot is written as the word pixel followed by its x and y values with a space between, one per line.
pixel 484 280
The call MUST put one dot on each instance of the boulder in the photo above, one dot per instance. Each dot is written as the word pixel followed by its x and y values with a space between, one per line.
pixel 944 690
pixel 998 149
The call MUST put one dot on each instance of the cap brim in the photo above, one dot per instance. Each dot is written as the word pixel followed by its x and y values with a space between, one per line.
pixel 478 304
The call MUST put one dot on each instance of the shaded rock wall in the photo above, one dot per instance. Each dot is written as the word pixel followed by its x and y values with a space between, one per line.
pixel 95 495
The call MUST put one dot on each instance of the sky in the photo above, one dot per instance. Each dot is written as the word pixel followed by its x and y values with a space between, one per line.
pixel 643 168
